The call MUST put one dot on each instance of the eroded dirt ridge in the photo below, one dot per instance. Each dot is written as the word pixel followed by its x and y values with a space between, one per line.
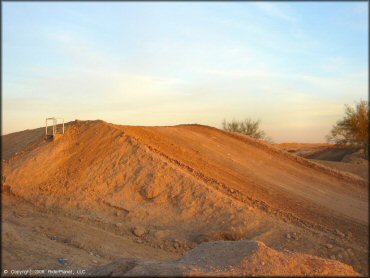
pixel 169 189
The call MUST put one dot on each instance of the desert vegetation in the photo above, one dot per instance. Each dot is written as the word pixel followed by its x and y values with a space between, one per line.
pixel 353 128
pixel 248 127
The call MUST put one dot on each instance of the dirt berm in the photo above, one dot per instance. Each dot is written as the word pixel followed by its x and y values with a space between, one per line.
pixel 229 258
pixel 173 188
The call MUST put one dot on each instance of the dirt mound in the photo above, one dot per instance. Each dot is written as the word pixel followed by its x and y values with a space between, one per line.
pixel 35 238
pixel 96 167
pixel 332 154
pixel 345 159
pixel 304 149
pixel 18 142
pixel 172 188
pixel 229 258
pixel 360 167
pixel 356 158
pixel 318 151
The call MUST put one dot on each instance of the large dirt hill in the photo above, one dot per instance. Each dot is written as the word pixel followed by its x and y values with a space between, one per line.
pixel 167 189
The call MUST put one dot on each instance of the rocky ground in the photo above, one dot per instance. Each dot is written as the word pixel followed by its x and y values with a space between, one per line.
pixel 229 258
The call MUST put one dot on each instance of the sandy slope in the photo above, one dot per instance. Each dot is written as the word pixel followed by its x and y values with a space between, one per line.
pixel 183 185
pixel 361 170
pixel 35 237
pixel 20 141
pixel 343 158
pixel 242 164
pixel 229 258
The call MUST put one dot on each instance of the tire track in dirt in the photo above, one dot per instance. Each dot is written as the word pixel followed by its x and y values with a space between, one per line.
pixel 236 194
pixel 305 162
pixel 320 223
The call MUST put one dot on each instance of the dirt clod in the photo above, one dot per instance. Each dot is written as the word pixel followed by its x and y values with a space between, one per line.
pixel 138 231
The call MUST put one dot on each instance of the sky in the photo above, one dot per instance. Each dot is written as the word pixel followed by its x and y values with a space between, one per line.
pixel 293 65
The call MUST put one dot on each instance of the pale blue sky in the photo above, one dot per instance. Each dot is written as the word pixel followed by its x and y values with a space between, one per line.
pixel 291 64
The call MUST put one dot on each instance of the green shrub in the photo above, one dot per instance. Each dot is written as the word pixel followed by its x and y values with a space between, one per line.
pixel 353 128
pixel 248 127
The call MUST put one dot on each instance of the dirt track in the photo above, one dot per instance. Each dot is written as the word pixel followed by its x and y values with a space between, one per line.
pixel 240 166
pixel 332 154
pixel 211 185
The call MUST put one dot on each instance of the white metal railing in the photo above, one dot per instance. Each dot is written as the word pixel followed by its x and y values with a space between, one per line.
pixel 54 126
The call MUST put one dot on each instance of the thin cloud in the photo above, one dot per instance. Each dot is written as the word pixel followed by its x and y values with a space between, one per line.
pixel 263 60
pixel 81 51
pixel 272 9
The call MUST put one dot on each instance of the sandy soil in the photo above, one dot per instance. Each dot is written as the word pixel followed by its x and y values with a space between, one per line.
pixel 35 237
pixel 342 158
pixel 361 170
pixel 229 258
pixel 165 190
pixel 320 151
pixel 20 141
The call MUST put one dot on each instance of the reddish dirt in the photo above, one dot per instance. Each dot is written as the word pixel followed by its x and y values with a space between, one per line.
pixel 229 258
pixel 361 170
pixel 178 186
pixel 343 158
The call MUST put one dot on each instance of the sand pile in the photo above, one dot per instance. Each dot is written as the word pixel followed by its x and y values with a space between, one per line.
pixel 96 167
pixel 172 188
pixel 344 158
pixel 229 258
